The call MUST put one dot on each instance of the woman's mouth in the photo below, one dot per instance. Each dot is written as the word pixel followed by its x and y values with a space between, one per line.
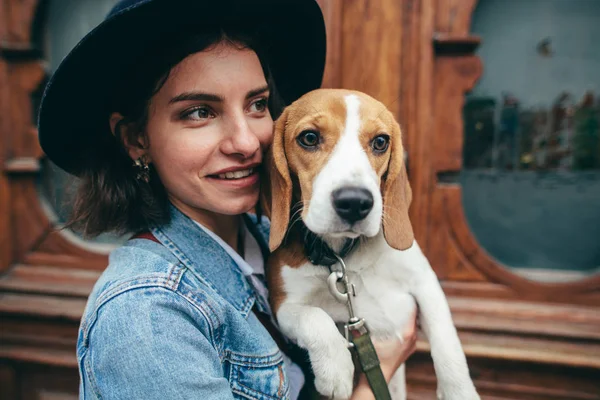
pixel 237 174
pixel 237 179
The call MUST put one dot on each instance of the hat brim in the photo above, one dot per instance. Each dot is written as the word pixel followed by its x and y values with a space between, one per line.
pixel 73 111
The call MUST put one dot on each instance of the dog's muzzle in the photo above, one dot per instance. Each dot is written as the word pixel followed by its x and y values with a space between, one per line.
pixel 352 204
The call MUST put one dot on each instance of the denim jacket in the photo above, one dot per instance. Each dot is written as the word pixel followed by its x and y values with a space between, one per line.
pixel 173 320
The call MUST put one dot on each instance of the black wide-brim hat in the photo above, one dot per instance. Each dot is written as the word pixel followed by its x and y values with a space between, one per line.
pixel 74 110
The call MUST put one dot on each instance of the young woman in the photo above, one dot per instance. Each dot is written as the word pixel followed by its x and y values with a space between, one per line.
pixel 164 112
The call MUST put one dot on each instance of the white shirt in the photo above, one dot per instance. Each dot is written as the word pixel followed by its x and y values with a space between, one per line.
pixel 251 267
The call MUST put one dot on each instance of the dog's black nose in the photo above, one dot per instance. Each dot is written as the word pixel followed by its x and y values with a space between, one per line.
pixel 352 203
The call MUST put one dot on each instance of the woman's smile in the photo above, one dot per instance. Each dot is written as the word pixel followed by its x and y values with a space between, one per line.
pixel 236 177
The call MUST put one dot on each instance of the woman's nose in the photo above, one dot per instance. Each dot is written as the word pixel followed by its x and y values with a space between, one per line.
pixel 242 139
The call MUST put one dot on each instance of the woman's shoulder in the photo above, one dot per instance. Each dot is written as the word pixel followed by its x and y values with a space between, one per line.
pixel 138 262
pixel 141 273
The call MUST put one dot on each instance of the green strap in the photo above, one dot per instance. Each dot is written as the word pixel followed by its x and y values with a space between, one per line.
pixel 369 363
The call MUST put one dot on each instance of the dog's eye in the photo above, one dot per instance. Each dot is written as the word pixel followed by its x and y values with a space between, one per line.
pixel 380 143
pixel 308 139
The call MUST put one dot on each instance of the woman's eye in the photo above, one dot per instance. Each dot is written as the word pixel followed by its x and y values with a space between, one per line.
pixel 380 143
pixel 198 114
pixel 308 139
pixel 259 106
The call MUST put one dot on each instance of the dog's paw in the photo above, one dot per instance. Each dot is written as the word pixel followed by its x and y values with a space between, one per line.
pixel 334 372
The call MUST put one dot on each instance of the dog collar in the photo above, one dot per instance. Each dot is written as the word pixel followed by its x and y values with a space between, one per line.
pixel 319 253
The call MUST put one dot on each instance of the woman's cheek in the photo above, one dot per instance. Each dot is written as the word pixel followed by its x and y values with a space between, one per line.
pixel 265 131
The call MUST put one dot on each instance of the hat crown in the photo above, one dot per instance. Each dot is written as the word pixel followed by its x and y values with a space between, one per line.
pixel 124 4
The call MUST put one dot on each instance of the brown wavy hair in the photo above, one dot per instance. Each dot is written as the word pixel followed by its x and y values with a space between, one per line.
pixel 109 198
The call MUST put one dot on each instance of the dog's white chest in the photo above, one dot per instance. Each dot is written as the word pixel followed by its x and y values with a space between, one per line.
pixel 381 299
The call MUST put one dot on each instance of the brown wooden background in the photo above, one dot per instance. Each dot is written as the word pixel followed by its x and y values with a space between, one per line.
pixel 523 339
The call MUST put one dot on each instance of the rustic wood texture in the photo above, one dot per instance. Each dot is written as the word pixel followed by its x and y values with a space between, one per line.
pixel 332 13
pixel 524 340
pixel 6 240
pixel 19 15
pixel 454 16
pixel 371 48
pixel 3 22
pixel 505 379
pixel 417 118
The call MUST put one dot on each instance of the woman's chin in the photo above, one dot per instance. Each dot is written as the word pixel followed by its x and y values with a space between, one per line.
pixel 240 205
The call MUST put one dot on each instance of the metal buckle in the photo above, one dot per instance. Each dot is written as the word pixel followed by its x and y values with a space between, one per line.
pixel 358 325
pixel 345 297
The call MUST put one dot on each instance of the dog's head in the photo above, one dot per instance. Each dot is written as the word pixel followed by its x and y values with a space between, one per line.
pixel 339 155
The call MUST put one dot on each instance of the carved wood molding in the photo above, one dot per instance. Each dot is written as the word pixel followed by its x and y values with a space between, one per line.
pixel 33 233
pixel 41 297
pixel 584 291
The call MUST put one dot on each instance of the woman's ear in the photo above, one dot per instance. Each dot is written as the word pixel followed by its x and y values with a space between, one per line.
pixel 134 143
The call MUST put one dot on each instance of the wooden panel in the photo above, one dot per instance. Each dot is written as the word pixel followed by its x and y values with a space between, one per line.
pixel 20 15
pixel 59 280
pixel 25 78
pixel 371 46
pixel 65 249
pixel 409 71
pixel 454 16
pixel 418 114
pixel 31 223
pixel 504 379
pixel 6 243
pixel 332 13
pixel 3 23
pixel 453 77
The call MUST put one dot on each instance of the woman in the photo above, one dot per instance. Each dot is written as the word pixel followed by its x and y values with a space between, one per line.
pixel 164 111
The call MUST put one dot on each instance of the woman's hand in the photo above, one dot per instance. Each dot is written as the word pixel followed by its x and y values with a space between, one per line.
pixel 392 354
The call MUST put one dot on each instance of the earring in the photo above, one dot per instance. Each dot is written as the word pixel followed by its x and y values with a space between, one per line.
pixel 143 171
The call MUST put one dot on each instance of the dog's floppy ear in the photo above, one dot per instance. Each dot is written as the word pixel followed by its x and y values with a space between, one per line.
pixel 277 198
pixel 397 196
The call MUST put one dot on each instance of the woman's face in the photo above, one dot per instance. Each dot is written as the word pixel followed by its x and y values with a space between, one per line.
pixel 207 129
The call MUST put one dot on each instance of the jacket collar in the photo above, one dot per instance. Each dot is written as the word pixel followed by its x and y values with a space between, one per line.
pixel 202 255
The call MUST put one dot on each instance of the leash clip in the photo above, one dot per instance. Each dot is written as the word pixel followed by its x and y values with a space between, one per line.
pixel 355 328
pixel 333 281
pixel 357 334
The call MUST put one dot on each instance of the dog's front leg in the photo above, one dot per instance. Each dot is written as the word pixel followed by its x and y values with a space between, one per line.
pixel 315 331
pixel 452 371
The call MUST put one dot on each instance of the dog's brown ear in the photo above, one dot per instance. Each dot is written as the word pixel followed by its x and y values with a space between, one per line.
pixel 397 196
pixel 277 199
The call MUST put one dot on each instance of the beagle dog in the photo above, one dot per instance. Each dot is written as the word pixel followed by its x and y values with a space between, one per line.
pixel 336 175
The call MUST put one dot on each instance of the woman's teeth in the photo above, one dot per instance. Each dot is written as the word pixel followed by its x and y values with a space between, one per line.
pixel 236 174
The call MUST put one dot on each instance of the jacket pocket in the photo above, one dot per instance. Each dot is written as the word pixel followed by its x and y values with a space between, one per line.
pixel 253 377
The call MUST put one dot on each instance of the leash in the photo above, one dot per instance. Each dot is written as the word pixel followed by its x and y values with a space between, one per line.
pixel 357 333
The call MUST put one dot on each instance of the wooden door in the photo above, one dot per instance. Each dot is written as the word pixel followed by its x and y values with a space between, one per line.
pixel 46 273
pixel 530 331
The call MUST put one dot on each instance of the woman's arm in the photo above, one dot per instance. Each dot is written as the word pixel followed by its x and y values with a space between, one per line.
pixel 392 354
pixel 150 343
